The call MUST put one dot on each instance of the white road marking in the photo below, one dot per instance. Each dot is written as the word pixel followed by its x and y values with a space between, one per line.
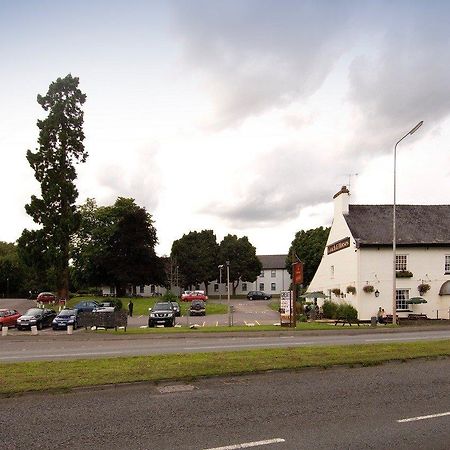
pixel 417 338
pixel 430 416
pixel 223 347
pixel 249 444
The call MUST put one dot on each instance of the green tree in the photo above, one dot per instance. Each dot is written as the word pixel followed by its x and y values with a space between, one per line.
pixel 196 256
pixel 61 146
pixel 244 264
pixel 12 273
pixel 308 246
pixel 115 245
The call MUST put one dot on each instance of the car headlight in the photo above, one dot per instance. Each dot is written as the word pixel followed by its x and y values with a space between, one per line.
pixel 33 320
pixel 152 315
pixel 55 321
pixel 70 321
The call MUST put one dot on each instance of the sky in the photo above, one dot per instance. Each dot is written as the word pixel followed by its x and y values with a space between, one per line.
pixel 240 116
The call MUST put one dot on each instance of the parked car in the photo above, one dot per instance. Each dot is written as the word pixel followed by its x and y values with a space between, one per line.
pixel 161 314
pixel 46 297
pixel 105 307
pixel 198 308
pixel 36 316
pixel 194 295
pixel 8 317
pixel 176 309
pixel 258 295
pixel 64 318
pixel 86 306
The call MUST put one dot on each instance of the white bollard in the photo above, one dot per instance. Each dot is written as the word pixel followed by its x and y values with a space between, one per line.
pixel 34 330
pixel 5 331
pixel 69 329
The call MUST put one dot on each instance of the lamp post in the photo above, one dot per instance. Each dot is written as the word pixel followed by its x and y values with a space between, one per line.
pixel 228 293
pixel 394 235
pixel 220 282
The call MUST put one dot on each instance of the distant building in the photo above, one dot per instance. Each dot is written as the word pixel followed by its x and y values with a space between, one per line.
pixel 359 255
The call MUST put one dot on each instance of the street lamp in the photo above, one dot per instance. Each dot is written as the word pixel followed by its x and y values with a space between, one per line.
pixel 394 236
pixel 228 293
pixel 220 282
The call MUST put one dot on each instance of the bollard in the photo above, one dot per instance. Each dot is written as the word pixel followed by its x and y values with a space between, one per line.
pixel 5 331
pixel 69 329
pixel 34 330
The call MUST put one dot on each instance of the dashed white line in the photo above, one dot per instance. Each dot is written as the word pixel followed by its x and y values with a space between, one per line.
pixel 249 444
pixel 430 416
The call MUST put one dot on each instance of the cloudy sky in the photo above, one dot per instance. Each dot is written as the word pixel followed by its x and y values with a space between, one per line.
pixel 243 116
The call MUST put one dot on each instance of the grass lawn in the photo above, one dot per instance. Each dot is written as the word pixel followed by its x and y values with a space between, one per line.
pixel 63 375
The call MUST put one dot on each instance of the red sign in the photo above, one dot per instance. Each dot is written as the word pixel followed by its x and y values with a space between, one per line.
pixel 297 272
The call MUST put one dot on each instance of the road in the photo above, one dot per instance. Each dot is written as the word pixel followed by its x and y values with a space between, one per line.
pixel 82 345
pixel 311 409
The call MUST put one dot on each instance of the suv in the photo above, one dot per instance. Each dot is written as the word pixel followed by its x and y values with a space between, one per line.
pixel 198 308
pixel 258 295
pixel 161 314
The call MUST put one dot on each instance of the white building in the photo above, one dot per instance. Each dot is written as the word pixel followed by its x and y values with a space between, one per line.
pixel 359 255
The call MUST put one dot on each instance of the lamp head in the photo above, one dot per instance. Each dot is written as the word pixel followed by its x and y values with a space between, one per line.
pixel 416 127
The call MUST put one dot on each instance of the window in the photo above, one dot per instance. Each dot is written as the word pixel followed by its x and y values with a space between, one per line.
pixel 400 262
pixel 152 288
pixel 261 286
pixel 332 271
pixel 401 297
pixel 262 274
pixel 216 287
pixel 141 289
pixel 111 290
pixel 273 286
pixel 244 287
pixel 273 273
pixel 447 264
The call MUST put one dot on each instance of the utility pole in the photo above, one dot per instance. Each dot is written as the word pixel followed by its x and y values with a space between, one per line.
pixel 228 293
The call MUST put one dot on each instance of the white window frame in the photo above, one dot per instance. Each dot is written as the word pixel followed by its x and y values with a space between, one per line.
pixel 447 264
pixel 244 287
pixel 262 274
pixel 401 262
pixel 216 287
pixel 141 289
pixel 273 286
pixel 401 296
pixel 261 286
pixel 273 273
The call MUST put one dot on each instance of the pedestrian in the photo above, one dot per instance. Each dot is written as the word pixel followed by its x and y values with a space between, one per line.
pixel 130 308
pixel 380 315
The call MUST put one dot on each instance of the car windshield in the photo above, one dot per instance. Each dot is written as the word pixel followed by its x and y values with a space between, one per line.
pixel 33 312
pixel 67 312
pixel 175 304
pixel 161 307
pixel 2 313
pixel 198 302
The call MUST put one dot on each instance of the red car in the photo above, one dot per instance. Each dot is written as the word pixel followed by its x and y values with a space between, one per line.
pixel 46 297
pixel 8 318
pixel 194 295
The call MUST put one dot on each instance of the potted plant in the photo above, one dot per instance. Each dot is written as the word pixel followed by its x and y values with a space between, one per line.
pixel 351 290
pixel 336 292
pixel 403 274
pixel 423 288
pixel 368 289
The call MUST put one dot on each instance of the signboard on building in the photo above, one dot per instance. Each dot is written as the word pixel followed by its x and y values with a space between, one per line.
pixel 338 245
pixel 285 307
pixel 297 272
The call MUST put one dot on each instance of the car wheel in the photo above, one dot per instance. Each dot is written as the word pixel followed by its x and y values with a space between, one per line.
pixel 75 326
pixel 1 326
pixel 54 328
pixel 250 298
pixel 150 324
pixel 39 326
pixel 266 298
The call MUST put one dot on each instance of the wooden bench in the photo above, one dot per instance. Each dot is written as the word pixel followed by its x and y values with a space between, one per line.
pixel 417 316
pixel 345 320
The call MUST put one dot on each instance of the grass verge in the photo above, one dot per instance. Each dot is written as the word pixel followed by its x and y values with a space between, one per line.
pixel 62 375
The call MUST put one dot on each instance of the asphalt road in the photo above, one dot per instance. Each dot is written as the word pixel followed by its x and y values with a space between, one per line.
pixel 82 345
pixel 312 409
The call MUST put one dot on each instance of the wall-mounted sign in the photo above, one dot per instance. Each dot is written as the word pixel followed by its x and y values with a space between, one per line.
pixel 338 245
pixel 297 272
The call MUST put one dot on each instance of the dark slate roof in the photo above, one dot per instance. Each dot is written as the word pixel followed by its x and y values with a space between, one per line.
pixel 416 225
pixel 273 261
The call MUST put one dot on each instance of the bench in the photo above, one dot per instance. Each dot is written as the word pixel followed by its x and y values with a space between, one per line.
pixel 345 320
pixel 417 316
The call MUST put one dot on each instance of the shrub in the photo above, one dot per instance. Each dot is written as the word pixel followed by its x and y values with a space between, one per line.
pixel 368 289
pixel 302 318
pixel 346 310
pixel 169 297
pixel 423 288
pixel 336 292
pixel 351 290
pixel 116 302
pixel 329 309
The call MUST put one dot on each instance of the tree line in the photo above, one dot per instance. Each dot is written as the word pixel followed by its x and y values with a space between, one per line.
pixel 77 247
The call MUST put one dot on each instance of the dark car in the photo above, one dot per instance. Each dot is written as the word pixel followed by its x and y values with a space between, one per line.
pixel 36 316
pixel 8 317
pixel 176 308
pixel 161 314
pixel 258 295
pixel 64 318
pixel 87 306
pixel 46 297
pixel 198 308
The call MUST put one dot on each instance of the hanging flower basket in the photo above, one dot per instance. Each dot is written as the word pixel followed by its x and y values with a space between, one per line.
pixel 423 288
pixel 368 289
pixel 336 292
pixel 351 290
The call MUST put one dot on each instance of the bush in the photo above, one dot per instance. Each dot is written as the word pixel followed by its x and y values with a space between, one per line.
pixel 116 302
pixel 169 297
pixel 423 288
pixel 346 310
pixel 329 309
pixel 302 318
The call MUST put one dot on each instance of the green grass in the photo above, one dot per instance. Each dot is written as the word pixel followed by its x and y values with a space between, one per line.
pixel 63 375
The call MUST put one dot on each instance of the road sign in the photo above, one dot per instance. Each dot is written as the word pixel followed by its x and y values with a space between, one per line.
pixel 285 307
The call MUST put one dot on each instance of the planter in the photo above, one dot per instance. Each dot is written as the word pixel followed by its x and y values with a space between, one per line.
pixel 403 274
pixel 368 289
pixel 351 290
pixel 336 292
pixel 423 288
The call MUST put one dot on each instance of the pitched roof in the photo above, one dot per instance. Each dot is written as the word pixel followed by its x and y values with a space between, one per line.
pixel 273 261
pixel 416 225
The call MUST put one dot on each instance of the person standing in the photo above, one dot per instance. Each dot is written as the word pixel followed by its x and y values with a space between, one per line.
pixel 130 308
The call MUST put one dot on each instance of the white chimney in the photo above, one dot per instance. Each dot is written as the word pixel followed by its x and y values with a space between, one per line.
pixel 341 201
